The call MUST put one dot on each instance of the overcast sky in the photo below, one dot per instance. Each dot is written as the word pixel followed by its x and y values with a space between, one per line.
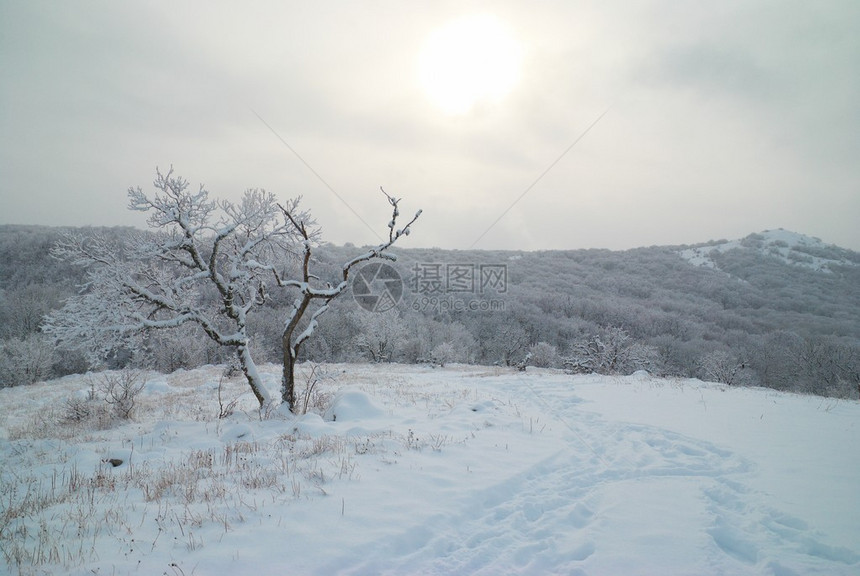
pixel 721 118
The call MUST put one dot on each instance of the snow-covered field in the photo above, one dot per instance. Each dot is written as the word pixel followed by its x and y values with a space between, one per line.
pixel 414 470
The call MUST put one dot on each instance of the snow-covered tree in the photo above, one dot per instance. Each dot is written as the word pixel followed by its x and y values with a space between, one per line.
pixel 611 352
pixel 23 309
pixel 504 340
pixel 182 347
pixel 381 336
pixel 829 367
pixel 724 367
pixel 777 359
pixel 457 344
pixel 443 353
pixel 205 262
pixel 426 337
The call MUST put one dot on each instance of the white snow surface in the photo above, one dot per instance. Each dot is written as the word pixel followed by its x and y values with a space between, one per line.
pixel 414 470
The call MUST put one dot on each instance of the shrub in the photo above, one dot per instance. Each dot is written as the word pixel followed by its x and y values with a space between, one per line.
pixel 120 390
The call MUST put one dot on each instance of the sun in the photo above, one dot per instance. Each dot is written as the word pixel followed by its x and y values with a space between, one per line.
pixel 469 61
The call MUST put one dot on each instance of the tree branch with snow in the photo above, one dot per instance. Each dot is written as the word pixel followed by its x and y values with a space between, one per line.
pixel 205 262
pixel 162 279
pixel 323 293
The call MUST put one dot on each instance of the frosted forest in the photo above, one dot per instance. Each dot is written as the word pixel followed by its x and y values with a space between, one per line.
pixel 775 309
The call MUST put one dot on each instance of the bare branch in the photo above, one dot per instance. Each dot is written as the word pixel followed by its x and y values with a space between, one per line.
pixel 291 344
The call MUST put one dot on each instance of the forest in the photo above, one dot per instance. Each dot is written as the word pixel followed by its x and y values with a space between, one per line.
pixel 775 309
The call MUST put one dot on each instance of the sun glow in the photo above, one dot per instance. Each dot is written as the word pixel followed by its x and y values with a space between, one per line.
pixel 469 61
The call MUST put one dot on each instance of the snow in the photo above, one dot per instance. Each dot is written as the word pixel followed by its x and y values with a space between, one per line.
pixel 415 470
pixel 789 247
pixel 353 405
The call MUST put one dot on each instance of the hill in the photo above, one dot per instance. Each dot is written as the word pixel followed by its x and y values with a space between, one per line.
pixel 790 247
pixel 757 310
pixel 778 309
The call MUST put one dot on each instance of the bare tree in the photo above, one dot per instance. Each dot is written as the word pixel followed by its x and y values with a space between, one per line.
pixel 313 290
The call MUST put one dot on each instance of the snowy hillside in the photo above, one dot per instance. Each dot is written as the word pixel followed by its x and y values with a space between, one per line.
pixel 790 326
pixel 413 470
pixel 789 247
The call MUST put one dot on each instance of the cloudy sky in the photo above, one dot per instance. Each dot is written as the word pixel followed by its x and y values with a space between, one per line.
pixel 713 119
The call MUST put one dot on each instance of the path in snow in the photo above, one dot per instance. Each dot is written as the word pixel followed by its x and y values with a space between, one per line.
pixel 592 508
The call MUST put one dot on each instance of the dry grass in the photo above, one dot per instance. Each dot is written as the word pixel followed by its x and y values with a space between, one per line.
pixel 78 481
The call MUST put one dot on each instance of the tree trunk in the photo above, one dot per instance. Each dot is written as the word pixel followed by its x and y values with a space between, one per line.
pixel 288 379
pixel 290 350
pixel 249 369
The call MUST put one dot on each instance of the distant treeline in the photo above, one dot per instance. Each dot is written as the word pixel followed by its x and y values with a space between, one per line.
pixel 755 320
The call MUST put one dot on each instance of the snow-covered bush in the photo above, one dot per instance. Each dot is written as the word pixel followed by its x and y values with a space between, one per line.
pixel 544 355
pixel 25 360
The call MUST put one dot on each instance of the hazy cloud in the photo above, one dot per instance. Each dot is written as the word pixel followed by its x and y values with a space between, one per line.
pixel 725 118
